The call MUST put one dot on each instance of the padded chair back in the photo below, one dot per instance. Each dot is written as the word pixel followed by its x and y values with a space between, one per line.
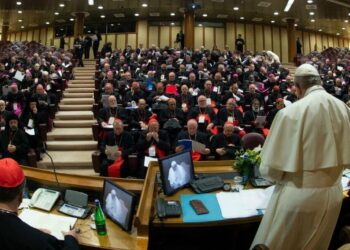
pixel 252 140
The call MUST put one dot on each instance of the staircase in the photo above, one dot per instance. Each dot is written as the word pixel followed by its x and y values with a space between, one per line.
pixel 291 67
pixel 70 143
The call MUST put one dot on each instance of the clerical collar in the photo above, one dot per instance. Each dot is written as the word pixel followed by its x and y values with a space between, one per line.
pixel 5 211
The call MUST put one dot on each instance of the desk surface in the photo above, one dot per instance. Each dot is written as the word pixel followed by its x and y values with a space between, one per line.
pixel 88 238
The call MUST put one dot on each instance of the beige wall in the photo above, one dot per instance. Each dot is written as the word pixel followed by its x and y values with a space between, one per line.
pixel 258 37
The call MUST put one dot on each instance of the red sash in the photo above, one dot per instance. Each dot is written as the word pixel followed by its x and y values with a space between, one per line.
pixel 214 130
pixel 196 156
pixel 114 169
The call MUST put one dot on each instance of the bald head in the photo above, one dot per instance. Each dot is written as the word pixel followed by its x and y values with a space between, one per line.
pixel 192 126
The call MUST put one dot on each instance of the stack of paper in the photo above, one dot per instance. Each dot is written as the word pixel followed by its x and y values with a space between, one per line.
pixel 245 203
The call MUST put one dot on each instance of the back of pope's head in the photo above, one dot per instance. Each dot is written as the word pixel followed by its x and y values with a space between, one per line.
pixel 306 76
pixel 11 179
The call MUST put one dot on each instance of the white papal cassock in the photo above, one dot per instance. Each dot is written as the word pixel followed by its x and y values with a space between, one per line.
pixel 305 152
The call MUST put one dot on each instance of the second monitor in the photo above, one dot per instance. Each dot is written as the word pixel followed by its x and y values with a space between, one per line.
pixel 176 171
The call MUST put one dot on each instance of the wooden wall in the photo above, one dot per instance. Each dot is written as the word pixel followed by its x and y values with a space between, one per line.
pixel 258 37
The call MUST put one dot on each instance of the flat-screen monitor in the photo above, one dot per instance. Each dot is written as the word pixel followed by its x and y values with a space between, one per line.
pixel 118 204
pixel 176 171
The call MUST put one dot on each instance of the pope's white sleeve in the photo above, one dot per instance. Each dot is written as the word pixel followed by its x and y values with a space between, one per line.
pixel 271 174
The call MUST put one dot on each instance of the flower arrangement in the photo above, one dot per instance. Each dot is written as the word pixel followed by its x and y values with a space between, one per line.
pixel 246 160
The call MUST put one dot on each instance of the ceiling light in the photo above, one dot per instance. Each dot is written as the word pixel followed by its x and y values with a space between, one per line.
pixel 272 21
pixel 288 5
pixel 91 2
pixel 320 30
pixel 172 14
pixel 102 16
pixel 337 34
pixel 100 7
pixel 276 13
pixel 144 5
pixel 346 21
pixel 71 19
pixel 312 20
pixel 310 1
pixel 22 27
pixel 19 12
pixel 343 28
pixel 235 8
pixel 19 20
pixel 295 25
pixel 56 13
pixel 172 24
pixel 242 18
pixel 47 23
pixel 200 25
pixel 137 14
pixel 19 3
pixel 205 15
pixel 61 5
pixel 112 24
pixel 312 13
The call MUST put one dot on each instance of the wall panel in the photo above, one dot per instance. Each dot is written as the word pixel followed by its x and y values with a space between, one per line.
pixel 142 29
pixel 36 35
pixel 230 35
pixel 174 30
pixel 56 42
pixel 276 41
pixel 319 42
pixel 336 42
pixel 220 38
pixel 267 37
pixel 240 30
pixel 43 35
pixel 330 41
pixel 132 40
pixel 259 38
pixel 18 36
pixel 30 35
pixel 121 39
pixel 249 40
pixel 209 37
pixel 198 37
pixel 50 36
pixel 306 42
pixel 111 39
pixel 312 41
pixel 284 39
pixel 153 36
pixel 164 36
pixel 324 41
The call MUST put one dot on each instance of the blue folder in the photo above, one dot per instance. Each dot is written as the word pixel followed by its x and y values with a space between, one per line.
pixel 209 200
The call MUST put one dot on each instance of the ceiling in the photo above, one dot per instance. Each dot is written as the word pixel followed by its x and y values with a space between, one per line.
pixel 330 15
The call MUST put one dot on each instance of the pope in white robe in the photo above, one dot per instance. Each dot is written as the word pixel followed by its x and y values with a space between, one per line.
pixel 178 176
pixel 116 207
pixel 305 153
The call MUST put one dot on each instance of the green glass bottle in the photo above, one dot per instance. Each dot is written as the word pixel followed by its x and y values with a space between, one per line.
pixel 100 219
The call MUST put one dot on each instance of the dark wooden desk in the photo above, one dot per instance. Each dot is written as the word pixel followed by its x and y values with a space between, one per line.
pixel 88 238
pixel 147 222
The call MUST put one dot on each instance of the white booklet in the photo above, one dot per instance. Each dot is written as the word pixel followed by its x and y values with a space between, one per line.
pixel 112 152
pixel 54 223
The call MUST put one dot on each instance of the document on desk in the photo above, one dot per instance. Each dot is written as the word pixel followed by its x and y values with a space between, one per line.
pixel 245 203
pixel 55 223
pixel 112 152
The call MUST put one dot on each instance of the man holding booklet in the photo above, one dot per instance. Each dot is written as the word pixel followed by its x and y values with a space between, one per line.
pixel 15 234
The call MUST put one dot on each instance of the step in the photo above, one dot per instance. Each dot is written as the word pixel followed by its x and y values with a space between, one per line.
pixel 73 123
pixel 70 134
pixel 67 160
pixel 81 85
pixel 79 90
pixel 71 115
pixel 91 81
pixel 77 107
pixel 73 101
pixel 77 95
pixel 84 77
pixel 71 145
